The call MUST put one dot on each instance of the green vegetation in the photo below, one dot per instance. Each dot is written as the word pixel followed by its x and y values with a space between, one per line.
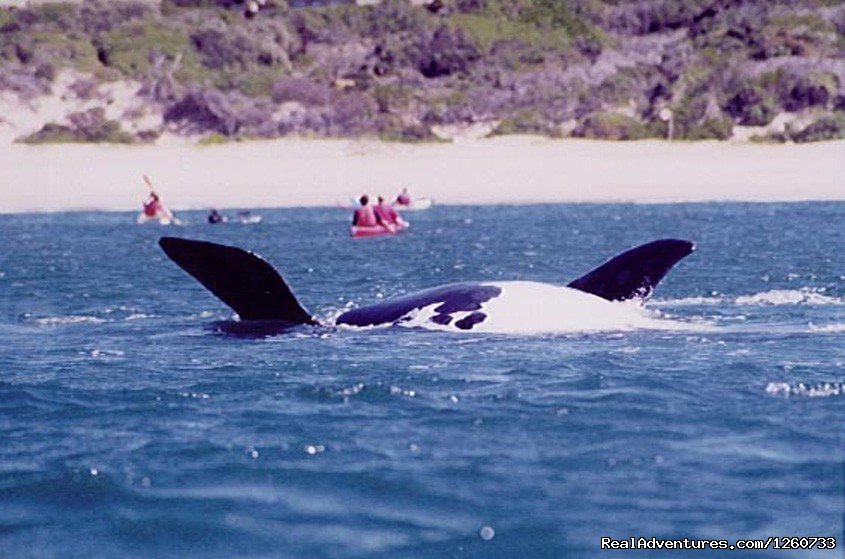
pixel 88 127
pixel 611 126
pixel 526 121
pixel 130 49
pixel 393 70
pixel 825 128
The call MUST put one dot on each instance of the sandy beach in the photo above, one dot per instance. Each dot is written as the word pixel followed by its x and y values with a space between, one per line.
pixel 506 170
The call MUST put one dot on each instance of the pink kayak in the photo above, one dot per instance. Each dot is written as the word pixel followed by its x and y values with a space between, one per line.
pixel 374 230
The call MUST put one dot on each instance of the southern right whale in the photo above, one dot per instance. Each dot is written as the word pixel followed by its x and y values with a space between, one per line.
pixel 262 299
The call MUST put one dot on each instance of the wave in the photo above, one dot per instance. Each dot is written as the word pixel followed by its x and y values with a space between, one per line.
pixel 815 390
pixel 804 296
pixel 809 296
pixel 828 328
pixel 119 314
pixel 69 319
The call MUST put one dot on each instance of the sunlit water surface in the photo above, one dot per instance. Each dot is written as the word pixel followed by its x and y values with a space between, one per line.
pixel 130 427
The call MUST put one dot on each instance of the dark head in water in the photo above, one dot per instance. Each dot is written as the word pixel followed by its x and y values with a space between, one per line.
pixel 263 301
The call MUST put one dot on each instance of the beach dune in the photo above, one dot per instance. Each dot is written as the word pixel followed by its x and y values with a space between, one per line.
pixel 506 170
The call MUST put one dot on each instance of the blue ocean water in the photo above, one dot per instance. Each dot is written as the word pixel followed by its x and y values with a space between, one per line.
pixel 130 427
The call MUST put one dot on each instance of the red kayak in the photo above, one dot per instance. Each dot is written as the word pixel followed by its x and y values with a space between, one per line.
pixel 374 230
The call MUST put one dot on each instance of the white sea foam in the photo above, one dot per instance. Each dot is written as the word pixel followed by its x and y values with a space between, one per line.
pixel 815 390
pixel 828 328
pixel 70 319
pixel 538 308
pixel 803 296
pixel 688 301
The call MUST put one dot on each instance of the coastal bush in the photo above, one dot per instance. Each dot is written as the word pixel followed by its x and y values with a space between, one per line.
pixel 795 34
pixel 89 126
pixel 131 50
pixel 526 121
pixel 610 126
pixel 230 114
pixel 751 105
pixel 715 128
pixel 528 64
pixel 391 96
pixel 102 16
pixel 825 128
pixel 218 49
pixel 445 52
pixel 811 90
pixel 302 90
pixel 697 117
pixel 391 130
pixel 352 114
pixel 655 16
pixel 537 26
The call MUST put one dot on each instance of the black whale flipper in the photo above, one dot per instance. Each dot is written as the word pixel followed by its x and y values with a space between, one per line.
pixel 635 273
pixel 241 279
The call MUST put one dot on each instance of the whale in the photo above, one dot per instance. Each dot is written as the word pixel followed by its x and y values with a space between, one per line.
pixel 264 303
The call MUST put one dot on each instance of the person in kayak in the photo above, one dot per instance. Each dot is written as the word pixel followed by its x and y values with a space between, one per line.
pixel 366 216
pixel 404 198
pixel 387 214
pixel 153 206
pixel 216 217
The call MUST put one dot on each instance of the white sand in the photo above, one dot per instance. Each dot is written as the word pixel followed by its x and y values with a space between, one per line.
pixel 506 170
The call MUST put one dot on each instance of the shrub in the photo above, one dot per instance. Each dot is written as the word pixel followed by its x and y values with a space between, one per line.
pixel 525 121
pixel 811 90
pixel 301 90
pixel 130 50
pixel 89 126
pixel 751 105
pixel 445 53
pixel 716 128
pixel 230 114
pixel 352 113
pixel 825 128
pixel 611 126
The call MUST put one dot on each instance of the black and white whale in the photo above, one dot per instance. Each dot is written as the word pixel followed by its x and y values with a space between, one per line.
pixel 264 302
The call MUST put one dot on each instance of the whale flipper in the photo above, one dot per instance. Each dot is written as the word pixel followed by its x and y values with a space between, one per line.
pixel 635 273
pixel 241 279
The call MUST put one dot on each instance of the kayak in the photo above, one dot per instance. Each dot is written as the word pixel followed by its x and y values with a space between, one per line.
pixel 417 204
pixel 374 230
pixel 162 219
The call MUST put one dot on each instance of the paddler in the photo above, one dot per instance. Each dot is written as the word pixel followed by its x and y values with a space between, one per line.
pixel 153 206
pixel 387 214
pixel 366 216
pixel 404 198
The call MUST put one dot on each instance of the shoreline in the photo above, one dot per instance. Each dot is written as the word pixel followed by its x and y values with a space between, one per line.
pixel 502 170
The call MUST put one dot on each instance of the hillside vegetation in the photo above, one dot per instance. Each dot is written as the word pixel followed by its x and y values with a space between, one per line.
pixel 584 68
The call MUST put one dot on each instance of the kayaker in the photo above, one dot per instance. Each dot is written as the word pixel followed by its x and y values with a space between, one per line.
pixel 216 217
pixel 153 206
pixel 387 214
pixel 365 216
pixel 404 198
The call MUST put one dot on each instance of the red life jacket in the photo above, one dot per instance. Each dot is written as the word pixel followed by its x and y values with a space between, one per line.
pixel 386 213
pixel 365 216
pixel 152 207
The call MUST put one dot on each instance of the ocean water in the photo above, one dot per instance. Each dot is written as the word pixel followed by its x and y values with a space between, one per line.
pixel 131 427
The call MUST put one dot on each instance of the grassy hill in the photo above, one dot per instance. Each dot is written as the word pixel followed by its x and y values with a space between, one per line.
pixel 771 70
